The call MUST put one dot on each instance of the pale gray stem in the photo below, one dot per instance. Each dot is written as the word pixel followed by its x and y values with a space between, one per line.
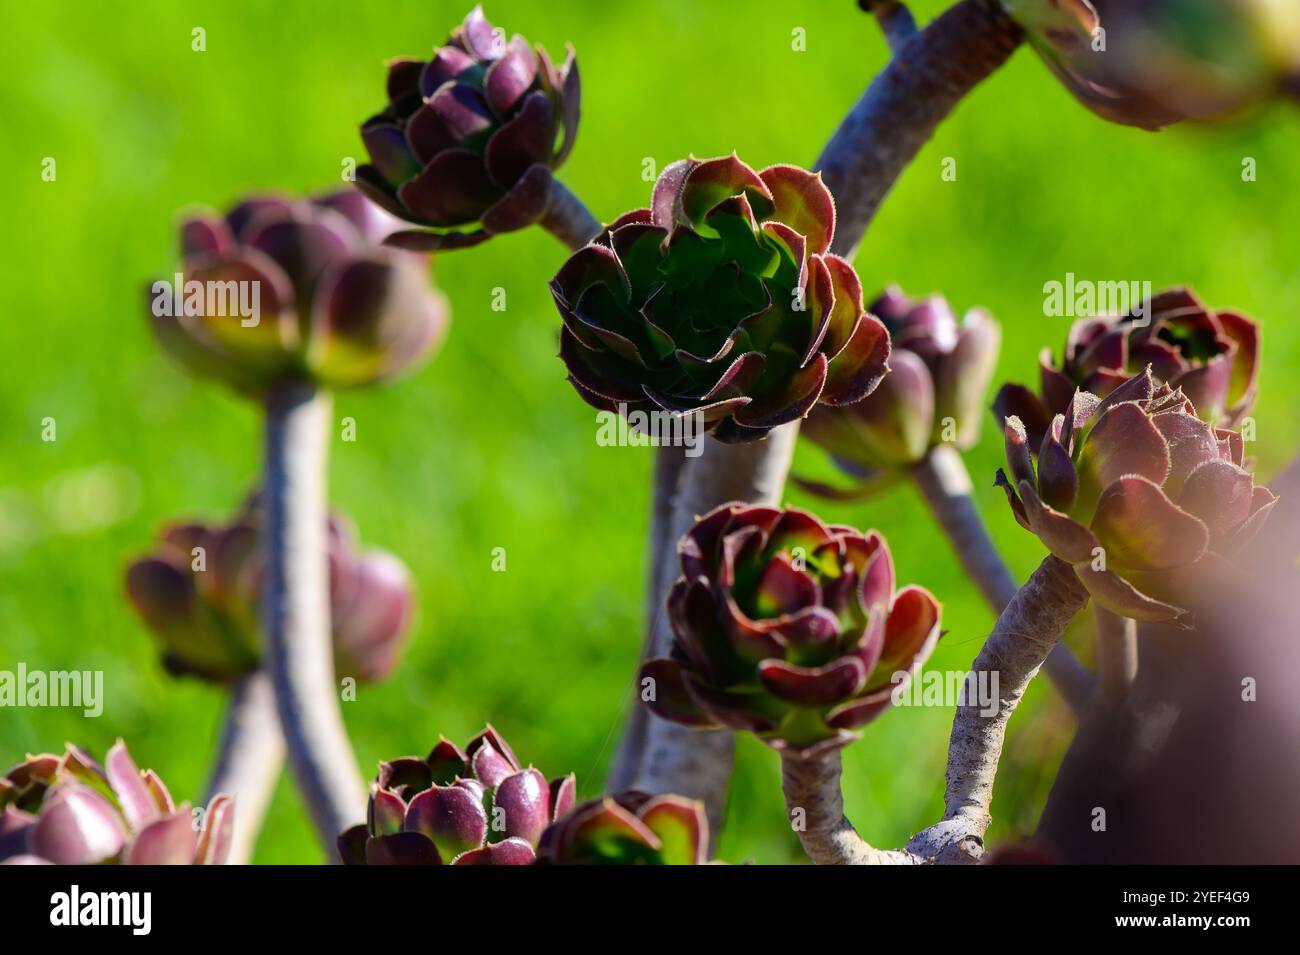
pixel 673 758
pixel 567 218
pixel 929 74
pixel 249 757
pixel 669 464
pixel 815 810
pixel 1117 654
pixel 296 611
pixel 945 484
pixel 1025 633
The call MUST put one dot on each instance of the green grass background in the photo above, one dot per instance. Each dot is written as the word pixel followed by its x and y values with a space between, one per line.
pixel 487 446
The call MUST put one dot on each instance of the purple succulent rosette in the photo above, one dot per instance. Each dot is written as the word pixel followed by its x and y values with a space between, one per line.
pixel 467 144
pixel 1212 357
pixel 939 370
pixel 1144 498
pixel 788 628
pixel 629 828
pixel 68 810
pixel 475 806
pixel 721 299
pixel 1164 60
pixel 334 308
pixel 206 614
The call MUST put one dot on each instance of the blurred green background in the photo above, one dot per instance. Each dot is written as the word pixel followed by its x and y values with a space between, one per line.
pixel 487 446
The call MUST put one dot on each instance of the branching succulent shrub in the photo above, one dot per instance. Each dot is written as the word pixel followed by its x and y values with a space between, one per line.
pixel 200 594
pixel 69 810
pixel 1140 495
pixel 788 628
pixel 939 370
pixel 721 299
pixel 467 143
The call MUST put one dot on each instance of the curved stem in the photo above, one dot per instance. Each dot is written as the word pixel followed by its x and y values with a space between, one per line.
pixel 945 483
pixel 296 611
pixel 567 218
pixel 929 74
pixel 249 757
pixel 1117 654
pixel 678 759
pixel 895 20
pixel 815 807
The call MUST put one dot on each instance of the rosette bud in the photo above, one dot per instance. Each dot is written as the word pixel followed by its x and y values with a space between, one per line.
pixel 69 810
pixel 475 806
pixel 1212 357
pixel 466 146
pixel 281 289
pixel 939 370
pixel 1144 498
pixel 787 628
pixel 199 594
pixel 721 300
pixel 629 828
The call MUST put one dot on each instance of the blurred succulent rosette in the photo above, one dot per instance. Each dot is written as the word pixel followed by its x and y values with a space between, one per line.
pixel 467 144
pixel 1212 357
pixel 476 806
pixel 720 300
pixel 283 289
pixel 69 810
pixel 199 594
pixel 788 628
pixel 939 371
pixel 629 828
pixel 1145 499
pixel 1150 63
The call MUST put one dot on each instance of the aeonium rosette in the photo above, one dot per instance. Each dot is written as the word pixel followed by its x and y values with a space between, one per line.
pixel 629 828
pixel 69 810
pixel 788 628
pixel 1144 498
pixel 476 806
pixel 939 370
pixel 1211 356
pixel 721 300
pixel 467 143
pixel 290 290
pixel 200 592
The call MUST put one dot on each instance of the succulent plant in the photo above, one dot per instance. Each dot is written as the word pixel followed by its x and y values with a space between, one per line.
pixel 1143 497
pixel 466 146
pixel 629 828
pixel 933 394
pixel 475 806
pixel 787 628
pixel 68 810
pixel 200 591
pixel 1165 60
pixel 1213 357
pixel 721 299
pixel 281 289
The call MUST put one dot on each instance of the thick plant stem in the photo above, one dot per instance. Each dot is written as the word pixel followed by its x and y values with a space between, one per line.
pixel 1117 654
pixel 1025 633
pixel 296 611
pixel 249 758
pixel 567 218
pixel 895 21
pixel 673 758
pixel 669 464
pixel 815 808
pixel 930 73
pixel 945 483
